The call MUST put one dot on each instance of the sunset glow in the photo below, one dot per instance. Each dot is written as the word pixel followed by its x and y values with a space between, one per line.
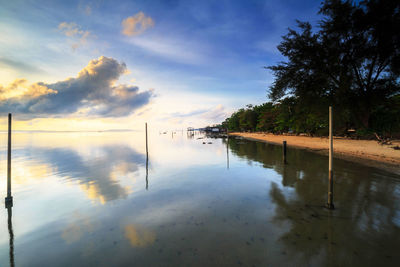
pixel 95 65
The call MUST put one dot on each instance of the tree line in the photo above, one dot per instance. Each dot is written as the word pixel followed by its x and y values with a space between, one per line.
pixel 350 60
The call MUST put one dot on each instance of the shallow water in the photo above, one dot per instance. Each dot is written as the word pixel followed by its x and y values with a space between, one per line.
pixel 85 199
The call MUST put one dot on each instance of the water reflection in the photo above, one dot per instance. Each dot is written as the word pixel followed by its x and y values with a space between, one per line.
pixel 227 153
pixel 366 221
pixel 197 213
pixel 269 155
pixel 190 135
pixel 139 236
pixel 98 175
pixel 147 172
pixel 78 226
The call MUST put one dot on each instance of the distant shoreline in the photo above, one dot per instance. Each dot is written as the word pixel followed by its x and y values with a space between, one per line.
pixel 367 152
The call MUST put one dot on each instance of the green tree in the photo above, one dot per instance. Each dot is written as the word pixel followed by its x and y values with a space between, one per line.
pixel 232 122
pixel 285 115
pixel 248 119
pixel 267 114
pixel 385 119
pixel 351 62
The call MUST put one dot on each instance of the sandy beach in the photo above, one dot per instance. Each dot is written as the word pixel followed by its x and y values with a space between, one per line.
pixel 369 152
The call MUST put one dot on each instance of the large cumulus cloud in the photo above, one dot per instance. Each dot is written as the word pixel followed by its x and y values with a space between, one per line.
pixel 93 92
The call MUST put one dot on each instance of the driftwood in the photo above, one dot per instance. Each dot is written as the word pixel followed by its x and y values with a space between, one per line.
pixel 383 141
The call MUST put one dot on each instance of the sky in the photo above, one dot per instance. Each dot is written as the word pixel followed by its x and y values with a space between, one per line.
pixel 100 65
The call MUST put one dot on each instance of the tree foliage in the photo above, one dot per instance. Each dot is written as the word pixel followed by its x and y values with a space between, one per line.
pixel 351 61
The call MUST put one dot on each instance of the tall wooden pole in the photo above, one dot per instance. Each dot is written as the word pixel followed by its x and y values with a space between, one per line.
pixel 330 186
pixel 9 197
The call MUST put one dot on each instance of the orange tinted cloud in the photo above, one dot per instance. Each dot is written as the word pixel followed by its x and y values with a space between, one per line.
pixel 136 24
pixel 21 89
pixel 74 31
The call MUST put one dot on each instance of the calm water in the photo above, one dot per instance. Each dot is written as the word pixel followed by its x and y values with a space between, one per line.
pixel 84 199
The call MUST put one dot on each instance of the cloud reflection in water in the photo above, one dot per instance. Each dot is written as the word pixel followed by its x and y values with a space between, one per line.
pixel 139 236
pixel 101 175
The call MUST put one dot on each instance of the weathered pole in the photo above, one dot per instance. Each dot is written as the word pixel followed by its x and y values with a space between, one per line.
pixel 330 205
pixel 284 152
pixel 9 198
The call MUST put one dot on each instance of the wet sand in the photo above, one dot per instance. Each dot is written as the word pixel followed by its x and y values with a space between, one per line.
pixel 369 152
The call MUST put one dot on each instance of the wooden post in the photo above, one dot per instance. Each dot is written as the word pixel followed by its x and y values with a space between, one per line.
pixel 330 205
pixel 9 198
pixel 284 152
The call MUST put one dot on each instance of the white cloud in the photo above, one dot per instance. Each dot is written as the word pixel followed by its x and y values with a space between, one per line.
pixel 92 92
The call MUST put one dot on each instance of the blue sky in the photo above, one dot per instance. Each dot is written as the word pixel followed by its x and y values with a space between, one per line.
pixel 197 61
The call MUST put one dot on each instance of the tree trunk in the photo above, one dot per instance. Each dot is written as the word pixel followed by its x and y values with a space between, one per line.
pixel 364 118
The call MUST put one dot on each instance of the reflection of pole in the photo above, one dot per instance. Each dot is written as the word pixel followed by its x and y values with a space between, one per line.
pixel 227 152
pixel 147 160
pixel 10 231
pixel 285 182
pixel 147 148
pixel 284 152
pixel 9 197
pixel 330 186
pixel 330 240
pixel 147 173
